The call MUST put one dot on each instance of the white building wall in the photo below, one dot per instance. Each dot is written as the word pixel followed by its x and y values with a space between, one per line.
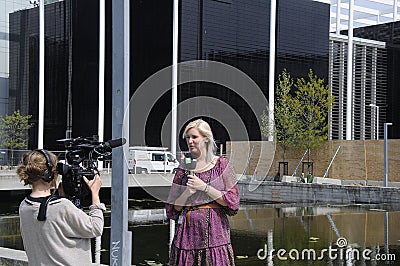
pixel 369 86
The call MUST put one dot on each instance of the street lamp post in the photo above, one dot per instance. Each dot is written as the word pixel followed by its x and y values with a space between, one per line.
pixel 385 155
pixel 3 155
pixel 377 119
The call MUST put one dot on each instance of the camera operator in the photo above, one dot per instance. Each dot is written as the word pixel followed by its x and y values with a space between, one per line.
pixel 53 229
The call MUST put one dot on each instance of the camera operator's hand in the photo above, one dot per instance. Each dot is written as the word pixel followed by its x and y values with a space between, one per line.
pixel 94 186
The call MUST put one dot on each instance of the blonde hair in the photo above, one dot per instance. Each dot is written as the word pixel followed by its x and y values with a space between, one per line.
pixel 32 166
pixel 205 131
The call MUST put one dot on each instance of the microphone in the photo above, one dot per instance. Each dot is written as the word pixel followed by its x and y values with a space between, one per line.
pixel 190 162
pixel 113 143
pixel 110 144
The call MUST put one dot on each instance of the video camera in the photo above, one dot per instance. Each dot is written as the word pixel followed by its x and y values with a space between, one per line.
pixel 78 150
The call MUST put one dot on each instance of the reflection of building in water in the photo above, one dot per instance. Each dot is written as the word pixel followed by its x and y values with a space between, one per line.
pixel 296 225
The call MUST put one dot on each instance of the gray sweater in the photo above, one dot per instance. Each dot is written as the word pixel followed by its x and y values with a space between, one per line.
pixel 64 237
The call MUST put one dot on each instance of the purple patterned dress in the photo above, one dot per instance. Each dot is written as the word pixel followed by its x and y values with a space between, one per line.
pixel 203 236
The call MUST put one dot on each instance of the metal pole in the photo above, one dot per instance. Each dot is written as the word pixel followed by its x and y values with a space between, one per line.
pixel 165 162
pixel 349 103
pixel 270 241
pixel 272 50
pixel 386 231
pixel 374 75
pixel 338 12
pixel 377 119
pixel 377 122
pixel 97 250
pixel 174 115
pixel 100 130
pixel 41 75
pixel 248 160
pixel 334 227
pixel 295 170
pixel 121 238
pixel 385 154
pixel 394 10
pixel 175 45
pixel 334 156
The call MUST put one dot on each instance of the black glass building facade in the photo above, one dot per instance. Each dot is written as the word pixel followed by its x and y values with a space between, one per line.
pixel 389 33
pixel 303 37
pixel 227 31
pixel 85 68
pixel 238 32
pixel 71 70
pixel 151 51
pixel 24 69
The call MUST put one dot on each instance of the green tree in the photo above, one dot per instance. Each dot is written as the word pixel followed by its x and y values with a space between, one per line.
pixel 313 103
pixel 13 130
pixel 284 127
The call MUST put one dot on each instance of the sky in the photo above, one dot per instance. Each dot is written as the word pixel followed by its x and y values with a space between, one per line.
pixel 365 12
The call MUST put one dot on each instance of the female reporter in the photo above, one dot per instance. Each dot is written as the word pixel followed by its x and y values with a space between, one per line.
pixel 54 231
pixel 200 201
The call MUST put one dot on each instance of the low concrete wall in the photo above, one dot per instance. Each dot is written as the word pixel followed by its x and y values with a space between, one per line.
pixel 147 216
pixel 12 257
pixel 269 191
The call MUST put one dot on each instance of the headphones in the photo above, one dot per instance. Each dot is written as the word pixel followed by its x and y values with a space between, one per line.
pixel 48 174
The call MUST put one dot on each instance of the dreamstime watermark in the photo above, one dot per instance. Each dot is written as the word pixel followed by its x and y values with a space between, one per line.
pixel 342 252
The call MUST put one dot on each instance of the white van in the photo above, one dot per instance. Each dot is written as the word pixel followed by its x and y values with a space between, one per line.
pixel 143 160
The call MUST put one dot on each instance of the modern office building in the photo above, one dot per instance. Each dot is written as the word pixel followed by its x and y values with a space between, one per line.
pixel 6 7
pixel 389 33
pixel 369 87
pixel 238 33
pixel 71 69
pixel 24 68
pixel 232 32
pixel 366 92
pixel 376 64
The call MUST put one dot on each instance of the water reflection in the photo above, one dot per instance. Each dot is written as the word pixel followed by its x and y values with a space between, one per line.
pixel 10 235
pixel 259 227
pixel 315 229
